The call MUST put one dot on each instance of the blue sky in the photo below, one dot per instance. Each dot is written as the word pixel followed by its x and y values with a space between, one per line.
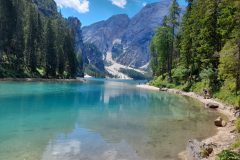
pixel 90 11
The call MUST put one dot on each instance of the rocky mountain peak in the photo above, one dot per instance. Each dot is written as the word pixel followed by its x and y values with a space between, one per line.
pixel 103 33
pixel 133 35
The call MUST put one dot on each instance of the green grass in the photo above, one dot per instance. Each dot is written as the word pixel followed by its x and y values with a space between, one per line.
pixel 236 144
pixel 225 94
pixel 228 96
pixel 237 124
pixel 158 82
pixel 228 155
pixel 198 87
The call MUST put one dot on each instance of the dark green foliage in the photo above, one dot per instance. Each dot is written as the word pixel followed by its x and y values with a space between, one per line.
pixel 228 155
pixel 94 71
pixel 163 46
pixel 69 49
pixel 35 41
pixel 133 74
pixel 31 42
pixel 208 43
pixel 161 50
pixel 51 63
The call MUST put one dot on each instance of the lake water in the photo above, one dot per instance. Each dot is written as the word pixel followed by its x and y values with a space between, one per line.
pixel 97 120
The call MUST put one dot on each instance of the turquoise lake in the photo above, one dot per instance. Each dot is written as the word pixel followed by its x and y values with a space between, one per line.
pixel 97 120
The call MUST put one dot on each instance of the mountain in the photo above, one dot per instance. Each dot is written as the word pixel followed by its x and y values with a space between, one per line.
pixel 90 55
pixel 102 34
pixel 75 25
pixel 128 39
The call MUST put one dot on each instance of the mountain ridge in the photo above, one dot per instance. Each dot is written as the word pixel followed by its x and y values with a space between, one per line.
pixel 133 36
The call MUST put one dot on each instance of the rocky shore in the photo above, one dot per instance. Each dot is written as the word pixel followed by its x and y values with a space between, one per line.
pixel 211 146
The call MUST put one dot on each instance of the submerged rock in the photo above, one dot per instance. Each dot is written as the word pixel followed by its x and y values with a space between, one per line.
pixel 197 150
pixel 212 105
pixel 219 122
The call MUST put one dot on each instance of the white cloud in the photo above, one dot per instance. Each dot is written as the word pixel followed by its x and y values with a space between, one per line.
pixel 82 6
pixel 119 3
pixel 144 4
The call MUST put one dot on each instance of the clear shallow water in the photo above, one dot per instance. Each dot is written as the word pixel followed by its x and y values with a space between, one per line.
pixel 99 120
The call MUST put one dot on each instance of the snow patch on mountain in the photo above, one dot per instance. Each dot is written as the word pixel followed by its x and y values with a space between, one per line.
pixel 113 68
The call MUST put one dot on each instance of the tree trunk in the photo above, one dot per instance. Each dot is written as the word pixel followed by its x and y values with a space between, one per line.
pixel 238 69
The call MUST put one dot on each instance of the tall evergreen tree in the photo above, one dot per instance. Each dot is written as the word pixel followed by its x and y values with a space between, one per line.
pixel 19 38
pixel 229 68
pixel 174 17
pixel 186 50
pixel 40 50
pixel 71 56
pixel 161 48
pixel 60 48
pixel 51 56
pixel 8 21
pixel 31 45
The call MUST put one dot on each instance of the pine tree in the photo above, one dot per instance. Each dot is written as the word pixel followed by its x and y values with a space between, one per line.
pixel 8 21
pixel 174 17
pixel 31 45
pixel 40 50
pixel 19 39
pixel 60 50
pixel 229 67
pixel 71 56
pixel 161 49
pixel 51 56
pixel 187 53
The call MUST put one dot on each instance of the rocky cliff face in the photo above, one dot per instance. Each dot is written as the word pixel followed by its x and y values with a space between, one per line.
pixel 103 34
pixel 75 25
pixel 91 56
pixel 46 7
pixel 128 39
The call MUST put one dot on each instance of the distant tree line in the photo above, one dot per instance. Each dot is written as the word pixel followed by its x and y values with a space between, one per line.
pixel 203 51
pixel 134 74
pixel 33 44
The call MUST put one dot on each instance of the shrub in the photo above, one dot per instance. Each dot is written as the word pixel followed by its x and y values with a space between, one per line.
pixel 198 87
pixel 228 155
pixel 238 124
pixel 236 145
pixel 228 96
pixel 159 82
pixel 180 75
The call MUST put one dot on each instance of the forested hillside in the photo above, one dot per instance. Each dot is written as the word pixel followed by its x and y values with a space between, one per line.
pixel 35 41
pixel 201 52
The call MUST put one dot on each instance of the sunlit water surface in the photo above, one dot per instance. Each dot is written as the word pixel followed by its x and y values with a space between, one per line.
pixel 97 120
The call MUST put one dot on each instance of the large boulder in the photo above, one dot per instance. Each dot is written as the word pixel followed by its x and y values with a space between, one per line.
pixel 219 122
pixel 237 113
pixel 212 105
pixel 163 89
